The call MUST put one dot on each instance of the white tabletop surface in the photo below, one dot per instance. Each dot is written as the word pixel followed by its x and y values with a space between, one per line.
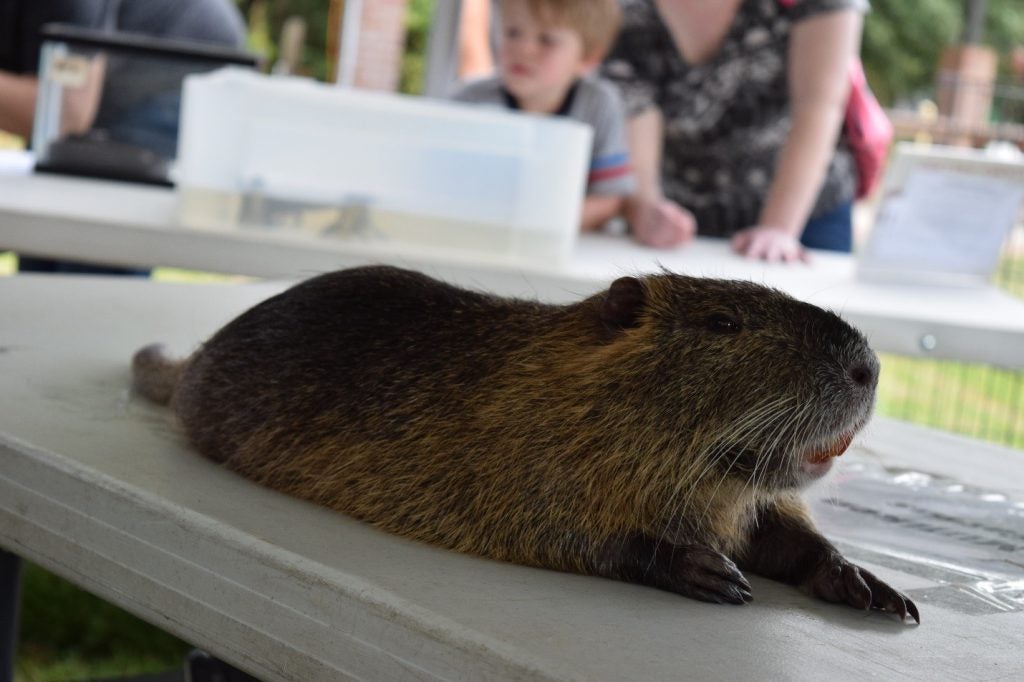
pixel 98 486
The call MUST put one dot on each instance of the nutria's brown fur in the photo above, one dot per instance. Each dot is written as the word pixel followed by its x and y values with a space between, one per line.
pixel 647 433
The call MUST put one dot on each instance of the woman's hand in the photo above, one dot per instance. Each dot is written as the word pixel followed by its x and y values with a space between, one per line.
pixel 658 222
pixel 769 243
pixel 653 219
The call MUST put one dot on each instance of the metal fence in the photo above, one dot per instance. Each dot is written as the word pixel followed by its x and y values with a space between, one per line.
pixel 960 111
pixel 1008 103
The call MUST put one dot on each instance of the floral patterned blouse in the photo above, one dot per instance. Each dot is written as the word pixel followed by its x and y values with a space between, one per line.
pixel 726 118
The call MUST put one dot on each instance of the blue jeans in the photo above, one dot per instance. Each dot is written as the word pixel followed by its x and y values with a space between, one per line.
pixel 832 230
pixel 152 124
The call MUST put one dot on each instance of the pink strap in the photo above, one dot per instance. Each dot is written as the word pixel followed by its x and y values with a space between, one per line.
pixel 857 77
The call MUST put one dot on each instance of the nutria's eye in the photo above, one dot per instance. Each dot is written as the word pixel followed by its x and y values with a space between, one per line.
pixel 722 324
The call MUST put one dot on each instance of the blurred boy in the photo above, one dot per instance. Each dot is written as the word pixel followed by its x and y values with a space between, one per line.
pixel 546 56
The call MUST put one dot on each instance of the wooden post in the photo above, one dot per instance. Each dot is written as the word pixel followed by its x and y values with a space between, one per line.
pixel 966 79
pixel 374 61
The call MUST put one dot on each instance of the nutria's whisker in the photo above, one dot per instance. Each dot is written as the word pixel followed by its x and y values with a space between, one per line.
pixel 773 419
pixel 746 428
pixel 782 420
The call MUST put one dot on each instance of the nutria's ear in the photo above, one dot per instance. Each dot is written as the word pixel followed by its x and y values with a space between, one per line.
pixel 622 304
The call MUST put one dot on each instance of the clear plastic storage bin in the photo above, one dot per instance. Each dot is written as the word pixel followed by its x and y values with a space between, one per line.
pixel 262 152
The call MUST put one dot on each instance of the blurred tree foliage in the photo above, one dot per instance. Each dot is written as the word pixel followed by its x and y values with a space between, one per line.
pixel 267 17
pixel 902 43
pixel 903 40
pixel 417 27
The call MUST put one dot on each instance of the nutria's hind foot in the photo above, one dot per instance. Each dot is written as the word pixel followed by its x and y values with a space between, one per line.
pixel 837 580
pixel 692 570
pixel 154 374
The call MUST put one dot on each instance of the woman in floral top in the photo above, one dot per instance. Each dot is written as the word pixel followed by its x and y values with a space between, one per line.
pixel 735 109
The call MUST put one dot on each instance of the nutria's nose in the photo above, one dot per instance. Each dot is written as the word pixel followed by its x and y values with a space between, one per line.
pixel 862 373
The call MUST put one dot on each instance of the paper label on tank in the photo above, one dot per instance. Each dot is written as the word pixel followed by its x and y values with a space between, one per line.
pixel 70 71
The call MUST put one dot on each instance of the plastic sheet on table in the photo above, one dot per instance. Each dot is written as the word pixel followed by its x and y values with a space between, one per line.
pixel 967 543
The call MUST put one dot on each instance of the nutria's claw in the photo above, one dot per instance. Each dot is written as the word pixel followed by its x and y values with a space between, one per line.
pixel 885 598
pixel 838 580
pixel 705 574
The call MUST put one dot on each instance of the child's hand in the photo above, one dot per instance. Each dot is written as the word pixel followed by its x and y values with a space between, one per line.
pixel 659 222
pixel 769 243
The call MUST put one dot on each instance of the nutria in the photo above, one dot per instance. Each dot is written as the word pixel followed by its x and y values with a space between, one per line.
pixel 656 432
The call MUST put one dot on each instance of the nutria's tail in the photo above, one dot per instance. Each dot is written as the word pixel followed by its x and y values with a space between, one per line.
pixel 154 374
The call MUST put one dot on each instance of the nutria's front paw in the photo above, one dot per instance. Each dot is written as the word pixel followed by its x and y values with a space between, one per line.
pixel 837 580
pixel 705 574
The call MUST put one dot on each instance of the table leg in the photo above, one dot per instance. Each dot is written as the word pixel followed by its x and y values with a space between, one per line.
pixel 10 593
pixel 202 667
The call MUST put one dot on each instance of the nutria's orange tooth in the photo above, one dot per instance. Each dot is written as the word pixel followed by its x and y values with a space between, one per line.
pixel 827 452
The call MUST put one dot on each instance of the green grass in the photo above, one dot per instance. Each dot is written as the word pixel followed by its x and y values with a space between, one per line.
pixel 194 277
pixel 1010 275
pixel 974 400
pixel 47 667
pixel 69 634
